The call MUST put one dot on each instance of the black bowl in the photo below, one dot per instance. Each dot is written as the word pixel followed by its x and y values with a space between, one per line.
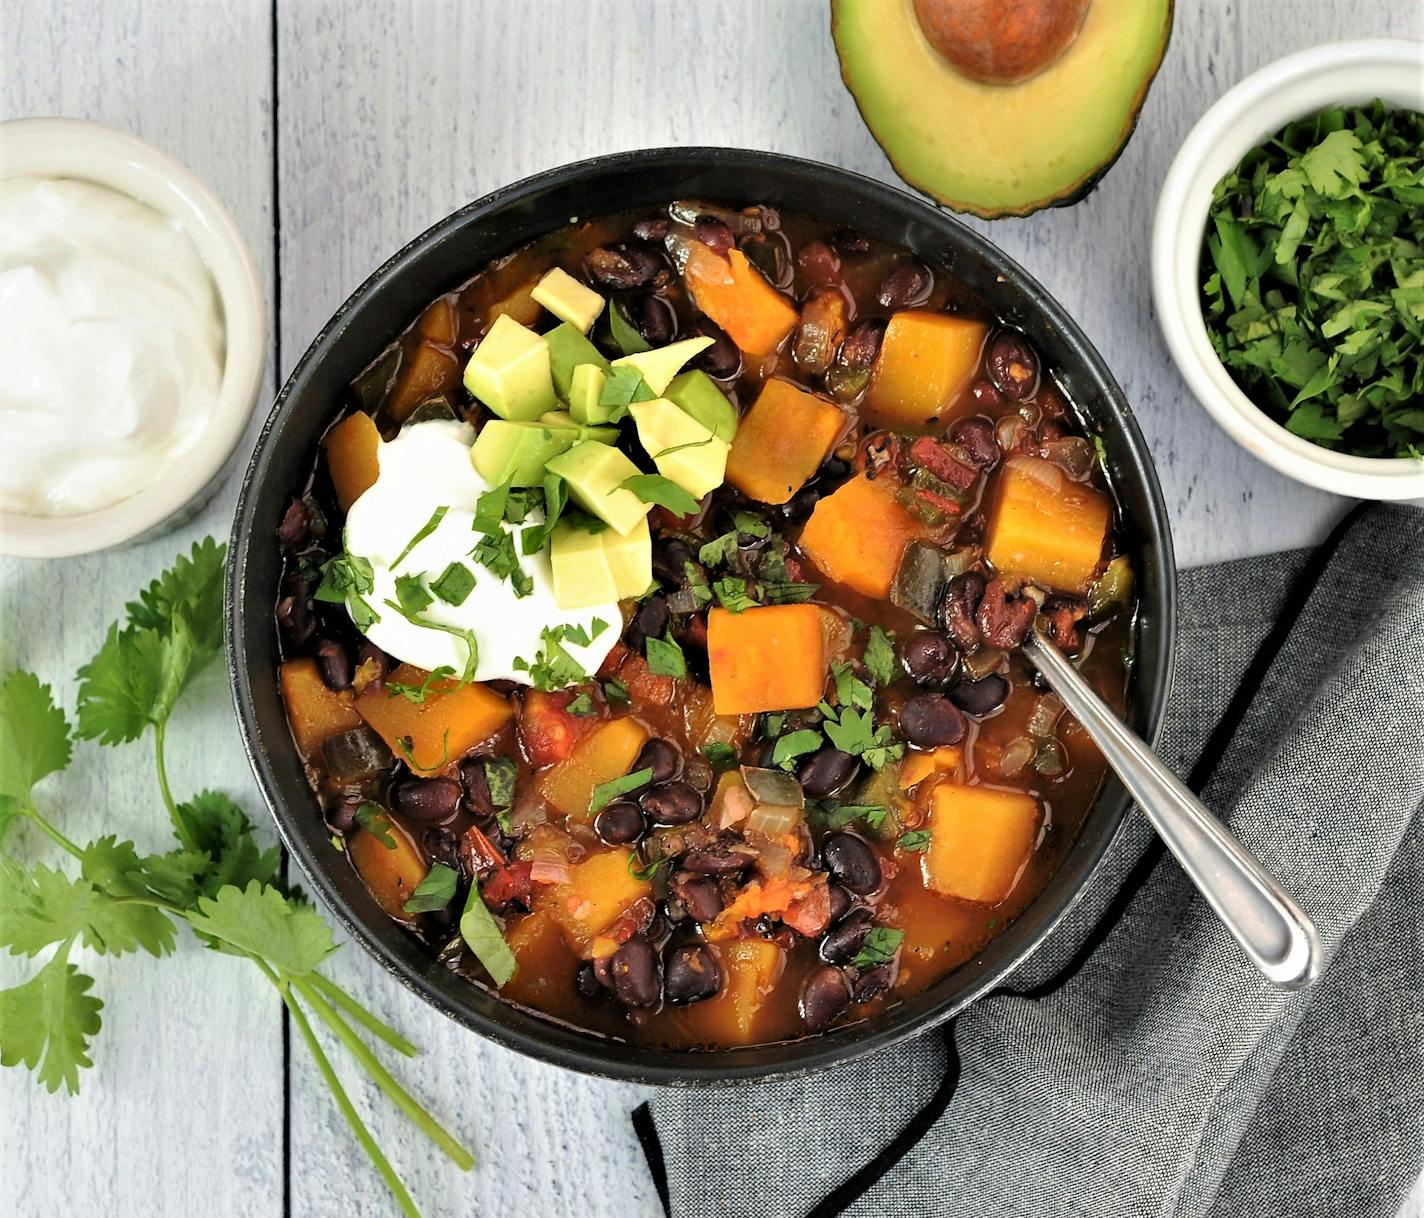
pixel 451 252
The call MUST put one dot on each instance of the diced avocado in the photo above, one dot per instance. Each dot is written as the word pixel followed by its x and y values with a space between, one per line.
pixel 595 474
pixel 683 449
pixel 661 364
pixel 507 448
pixel 563 419
pixel 568 300
pixel 697 393
pixel 587 388
pixel 630 558
pixel 509 371
pixel 1067 78
pixel 579 563
pixel 567 350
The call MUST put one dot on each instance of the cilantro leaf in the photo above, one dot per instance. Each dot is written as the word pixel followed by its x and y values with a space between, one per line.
pixel 223 832
pixel 34 735
pixel 435 891
pixel 665 658
pixel 259 921
pixel 192 588
pixel 719 753
pixel 43 906
pixel 878 947
pixel 654 488
pixel 372 818
pixel 423 532
pixel 482 935
pixel 606 792
pixel 133 683
pixel 797 744
pixel 500 773
pixel 917 841
pixel 454 584
pixel 413 595
pixel 880 655
pixel 46 1024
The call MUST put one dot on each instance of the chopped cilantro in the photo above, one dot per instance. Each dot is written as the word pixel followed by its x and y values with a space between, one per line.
pixel 606 792
pixel 616 692
pixel 412 594
pixel 500 773
pixel 719 754
pixel 495 552
pixel 838 816
pixel 418 693
pixel 654 488
pixel 582 706
pixel 880 655
pixel 372 818
pixel 490 508
pixel 732 594
pixel 665 658
pixel 553 667
pixel 436 891
pixel 405 745
pixel 879 947
pixel 794 746
pixel 454 584
pixel 916 840
pixel 345 576
pixel 421 534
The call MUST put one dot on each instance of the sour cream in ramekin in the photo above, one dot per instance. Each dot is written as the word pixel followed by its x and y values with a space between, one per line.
pixel 111 346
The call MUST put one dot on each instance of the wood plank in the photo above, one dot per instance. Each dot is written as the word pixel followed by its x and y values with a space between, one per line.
pixel 183 1111
pixel 395 112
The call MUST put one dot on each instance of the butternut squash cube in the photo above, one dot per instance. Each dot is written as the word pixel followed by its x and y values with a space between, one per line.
pixel 925 360
pixel 392 873
pixel 313 711
pixel 947 759
pixel 352 449
pixel 543 961
pixel 768 658
pixel 782 440
pixel 858 534
pixel 750 971
pixel 599 757
pixel 599 889
pixel 432 735
pixel 980 839
pixel 1046 528
pixel 735 295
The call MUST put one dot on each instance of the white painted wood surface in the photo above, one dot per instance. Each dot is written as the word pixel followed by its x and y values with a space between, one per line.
pixel 389 115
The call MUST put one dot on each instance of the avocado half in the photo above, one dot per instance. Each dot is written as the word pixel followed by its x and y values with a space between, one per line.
pixel 1001 107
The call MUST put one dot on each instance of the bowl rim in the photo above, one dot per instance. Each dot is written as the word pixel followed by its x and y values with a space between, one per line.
pixel 545 1039
pixel 1285 89
pixel 106 156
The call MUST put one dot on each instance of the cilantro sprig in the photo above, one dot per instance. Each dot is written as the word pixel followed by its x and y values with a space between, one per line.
pixel 219 880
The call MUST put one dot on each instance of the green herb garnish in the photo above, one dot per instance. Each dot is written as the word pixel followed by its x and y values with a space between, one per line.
pixel 654 488
pixel 616 692
pixel 879 947
pixel 1313 279
pixel 454 584
pixel 419 693
pixel 732 594
pixel 582 706
pixel 606 792
pixel 412 595
pixel 719 754
pixel 553 668
pixel 406 747
pixel 787 750
pixel 482 935
pixel 490 509
pixel 500 773
pixel 880 655
pixel 345 576
pixel 917 841
pixel 665 658
pixel 472 646
pixel 436 891
pixel 421 534
pixel 837 816
pixel 629 341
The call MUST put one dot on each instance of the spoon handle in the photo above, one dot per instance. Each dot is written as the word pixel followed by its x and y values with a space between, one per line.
pixel 1272 928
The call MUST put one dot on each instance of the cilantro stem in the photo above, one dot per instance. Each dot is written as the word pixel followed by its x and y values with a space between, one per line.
pixel 50 831
pixel 329 989
pixel 338 1093
pixel 398 1095
pixel 180 824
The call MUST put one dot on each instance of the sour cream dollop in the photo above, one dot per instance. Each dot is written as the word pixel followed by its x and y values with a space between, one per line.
pixel 425 468
pixel 111 346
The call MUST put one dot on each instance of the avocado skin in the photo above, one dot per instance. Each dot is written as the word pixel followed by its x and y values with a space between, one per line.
pixel 1073 194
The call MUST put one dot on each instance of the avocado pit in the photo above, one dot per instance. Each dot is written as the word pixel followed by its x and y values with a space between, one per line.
pixel 1001 42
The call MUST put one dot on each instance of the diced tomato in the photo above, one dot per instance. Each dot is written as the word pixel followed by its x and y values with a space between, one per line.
pixel 477 851
pixel 645 687
pixel 505 885
pixel 929 454
pixel 611 662
pixel 549 732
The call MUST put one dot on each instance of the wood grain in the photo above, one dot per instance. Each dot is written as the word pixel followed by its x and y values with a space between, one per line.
pixel 183 1111
pixel 390 113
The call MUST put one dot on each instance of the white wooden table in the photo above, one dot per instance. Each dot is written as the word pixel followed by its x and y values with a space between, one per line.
pixel 336 130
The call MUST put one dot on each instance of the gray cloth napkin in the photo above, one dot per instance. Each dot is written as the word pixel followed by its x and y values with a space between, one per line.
pixel 1150 1071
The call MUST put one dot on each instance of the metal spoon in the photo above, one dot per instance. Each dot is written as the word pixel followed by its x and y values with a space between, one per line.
pixel 1274 931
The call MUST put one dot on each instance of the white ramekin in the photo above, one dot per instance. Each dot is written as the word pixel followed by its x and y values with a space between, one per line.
pixel 1339 73
pixel 70 148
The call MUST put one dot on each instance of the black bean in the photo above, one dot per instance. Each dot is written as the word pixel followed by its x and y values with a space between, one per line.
pixel 824 998
pixel 976 436
pixel 851 862
pixel 981 696
pixel 874 981
pixel 699 895
pixel 342 817
pixel 826 771
pixel 660 756
pixel 692 973
pixel 672 803
pixel 862 344
pixel 833 470
pixel 670 556
pixel 653 228
pixel 624 267
pixel 908 285
pixel 427 799
pixel 476 784
pixel 635 973
pixel 586 981
pixel 958 608
pixel 723 359
pixel 295 526
pixel 334 665
pixel 653 318
pixel 442 845
pixel 651 621
pixel 1013 365
pixel 845 938
pixel 846 241
pixel 1004 619
pixel 930 720
pixel 819 263
pixel 620 823
pixel 715 234
pixel 930 657
pixel 717 860
pixel 800 506
pixel 294 616
pixel 841 901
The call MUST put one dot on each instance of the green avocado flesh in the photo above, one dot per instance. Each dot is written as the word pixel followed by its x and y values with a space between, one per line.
pixel 1000 149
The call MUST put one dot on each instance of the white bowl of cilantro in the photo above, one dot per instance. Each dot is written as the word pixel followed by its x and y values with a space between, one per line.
pixel 1288 266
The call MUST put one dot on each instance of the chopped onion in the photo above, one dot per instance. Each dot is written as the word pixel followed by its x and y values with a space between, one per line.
pixel 775 820
pixel 1051 759
pixel 1007 431
pixel 1019 753
pixel 736 807
pixel 1046 713
pixel 1039 470
pixel 1112 590
pixel 979 664
pixel 957 562
pixel 773 787
pixel 773 859
pixel 1072 454
pixel 550 871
